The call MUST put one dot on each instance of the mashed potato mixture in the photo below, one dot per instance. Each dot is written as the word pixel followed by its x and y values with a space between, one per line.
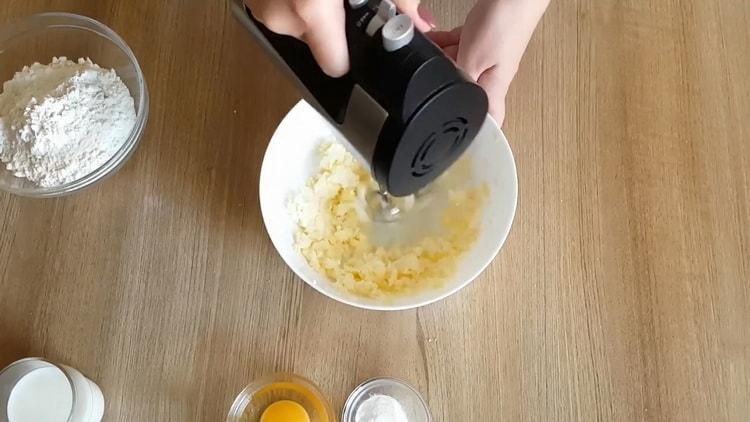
pixel 339 239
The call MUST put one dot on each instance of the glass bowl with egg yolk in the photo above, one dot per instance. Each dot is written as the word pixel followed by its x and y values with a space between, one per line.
pixel 281 398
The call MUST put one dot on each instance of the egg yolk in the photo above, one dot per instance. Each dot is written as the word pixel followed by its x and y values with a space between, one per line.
pixel 285 411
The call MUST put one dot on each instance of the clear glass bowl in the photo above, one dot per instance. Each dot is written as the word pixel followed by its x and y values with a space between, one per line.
pixel 39 38
pixel 261 393
pixel 408 397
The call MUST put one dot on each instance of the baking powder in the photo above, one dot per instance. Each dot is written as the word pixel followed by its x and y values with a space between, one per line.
pixel 62 121
pixel 380 408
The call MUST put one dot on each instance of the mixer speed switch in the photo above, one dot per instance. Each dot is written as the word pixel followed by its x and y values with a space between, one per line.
pixel 398 32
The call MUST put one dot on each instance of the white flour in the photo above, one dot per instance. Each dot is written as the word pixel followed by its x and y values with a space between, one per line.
pixel 380 408
pixel 60 122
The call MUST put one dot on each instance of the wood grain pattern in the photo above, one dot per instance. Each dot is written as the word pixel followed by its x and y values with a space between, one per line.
pixel 623 292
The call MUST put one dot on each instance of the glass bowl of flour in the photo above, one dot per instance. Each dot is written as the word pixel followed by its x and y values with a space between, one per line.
pixel 73 105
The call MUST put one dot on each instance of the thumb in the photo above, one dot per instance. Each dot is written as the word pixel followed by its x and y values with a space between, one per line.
pixel 328 42
pixel 421 15
pixel 496 82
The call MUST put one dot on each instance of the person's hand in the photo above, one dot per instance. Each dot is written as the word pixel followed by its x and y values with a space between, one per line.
pixel 490 45
pixel 321 24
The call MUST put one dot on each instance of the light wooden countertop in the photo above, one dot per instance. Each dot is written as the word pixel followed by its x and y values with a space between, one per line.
pixel 623 292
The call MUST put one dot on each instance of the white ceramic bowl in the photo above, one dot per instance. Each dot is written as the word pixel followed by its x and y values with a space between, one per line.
pixel 291 158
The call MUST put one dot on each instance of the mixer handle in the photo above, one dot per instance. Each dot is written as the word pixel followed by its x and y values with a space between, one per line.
pixel 330 94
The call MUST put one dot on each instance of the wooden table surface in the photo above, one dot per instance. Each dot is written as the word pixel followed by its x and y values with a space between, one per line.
pixel 622 293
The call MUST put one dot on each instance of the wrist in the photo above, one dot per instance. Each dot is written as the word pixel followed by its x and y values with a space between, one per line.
pixel 536 5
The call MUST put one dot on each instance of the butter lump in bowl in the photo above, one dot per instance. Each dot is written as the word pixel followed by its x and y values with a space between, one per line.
pixel 339 238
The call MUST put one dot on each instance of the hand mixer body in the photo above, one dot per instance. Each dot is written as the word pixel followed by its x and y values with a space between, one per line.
pixel 405 107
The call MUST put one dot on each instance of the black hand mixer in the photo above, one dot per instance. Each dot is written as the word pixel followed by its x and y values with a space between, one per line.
pixel 405 107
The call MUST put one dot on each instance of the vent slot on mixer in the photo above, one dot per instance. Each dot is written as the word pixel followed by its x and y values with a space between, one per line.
pixel 438 145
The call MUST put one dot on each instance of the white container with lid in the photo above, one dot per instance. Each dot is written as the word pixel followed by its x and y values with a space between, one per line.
pixel 34 389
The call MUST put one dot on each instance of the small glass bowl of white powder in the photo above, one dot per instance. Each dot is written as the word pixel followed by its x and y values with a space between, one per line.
pixel 73 105
pixel 385 400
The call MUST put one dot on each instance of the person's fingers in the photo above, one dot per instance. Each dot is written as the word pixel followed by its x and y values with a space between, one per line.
pixel 479 44
pixel 326 36
pixel 496 82
pixel 451 51
pixel 469 58
pixel 498 112
pixel 445 38
pixel 277 16
pixel 422 17
pixel 426 14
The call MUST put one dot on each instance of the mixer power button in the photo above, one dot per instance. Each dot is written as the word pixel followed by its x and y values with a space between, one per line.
pixel 398 32
pixel 356 4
